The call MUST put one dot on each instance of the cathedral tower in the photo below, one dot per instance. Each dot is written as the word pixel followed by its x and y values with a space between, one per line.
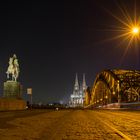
pixel 76 86
pixel 77 98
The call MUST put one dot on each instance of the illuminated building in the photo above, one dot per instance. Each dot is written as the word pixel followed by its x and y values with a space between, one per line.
pixel 77 98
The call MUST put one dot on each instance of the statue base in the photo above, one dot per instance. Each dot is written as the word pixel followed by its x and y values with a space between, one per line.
pixel 12 104
pixel 12 89
pixel 12 97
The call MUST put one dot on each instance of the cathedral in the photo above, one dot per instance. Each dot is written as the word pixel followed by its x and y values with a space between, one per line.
pixel 77 98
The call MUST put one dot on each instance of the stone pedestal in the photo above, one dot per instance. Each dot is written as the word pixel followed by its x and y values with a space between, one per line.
pixel 12 97
pixel 12 89
pixel 12 104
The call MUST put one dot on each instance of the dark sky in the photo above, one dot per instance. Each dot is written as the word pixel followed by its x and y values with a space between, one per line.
pixel 55 40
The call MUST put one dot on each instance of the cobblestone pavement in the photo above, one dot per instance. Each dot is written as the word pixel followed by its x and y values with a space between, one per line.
pixel 70 125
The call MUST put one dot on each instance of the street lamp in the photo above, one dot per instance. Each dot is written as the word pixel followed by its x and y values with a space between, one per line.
pixel 129 28
pixel 135 30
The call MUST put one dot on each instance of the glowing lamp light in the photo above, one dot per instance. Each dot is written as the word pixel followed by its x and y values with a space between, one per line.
pixel 106 96
pixel 135 30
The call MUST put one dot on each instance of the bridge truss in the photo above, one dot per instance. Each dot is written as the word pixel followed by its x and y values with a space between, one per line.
pixel 116 86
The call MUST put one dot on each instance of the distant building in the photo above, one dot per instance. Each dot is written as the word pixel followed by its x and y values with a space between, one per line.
pixel 77 98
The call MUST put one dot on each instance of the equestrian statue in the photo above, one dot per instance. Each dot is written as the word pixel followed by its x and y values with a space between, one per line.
pixel 13 69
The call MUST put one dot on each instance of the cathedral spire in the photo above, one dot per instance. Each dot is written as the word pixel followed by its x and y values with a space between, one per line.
pixel 76 85
pixel 77 98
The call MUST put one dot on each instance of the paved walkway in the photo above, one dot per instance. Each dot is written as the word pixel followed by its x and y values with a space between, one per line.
pixel 70 125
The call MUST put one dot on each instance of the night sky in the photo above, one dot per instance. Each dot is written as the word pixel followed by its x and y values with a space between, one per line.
pixel 57 39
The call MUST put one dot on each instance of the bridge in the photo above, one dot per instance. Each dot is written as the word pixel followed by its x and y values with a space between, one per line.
pixel 114 88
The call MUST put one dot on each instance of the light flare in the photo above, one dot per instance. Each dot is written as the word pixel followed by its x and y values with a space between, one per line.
pixel 127 31
pixel 135 30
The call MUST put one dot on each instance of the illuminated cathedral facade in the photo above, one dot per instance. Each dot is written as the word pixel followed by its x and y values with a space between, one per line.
pixel 77 98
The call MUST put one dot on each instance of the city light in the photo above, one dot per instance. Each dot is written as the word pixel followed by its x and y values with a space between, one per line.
pixel 101 99
pixel 127 30
pixel 113 92
pixel 135 30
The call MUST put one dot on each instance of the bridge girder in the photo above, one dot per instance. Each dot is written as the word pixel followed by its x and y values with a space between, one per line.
pixel 116 86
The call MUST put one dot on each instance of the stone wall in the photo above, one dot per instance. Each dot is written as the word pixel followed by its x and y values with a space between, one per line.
pixel 12 104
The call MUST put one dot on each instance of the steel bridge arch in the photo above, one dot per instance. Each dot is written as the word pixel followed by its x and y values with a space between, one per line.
pixel 111 86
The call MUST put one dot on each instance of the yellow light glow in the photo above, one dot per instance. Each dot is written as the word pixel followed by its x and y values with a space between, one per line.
pixel 135 30
pixel 128 29
pixel 106 96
